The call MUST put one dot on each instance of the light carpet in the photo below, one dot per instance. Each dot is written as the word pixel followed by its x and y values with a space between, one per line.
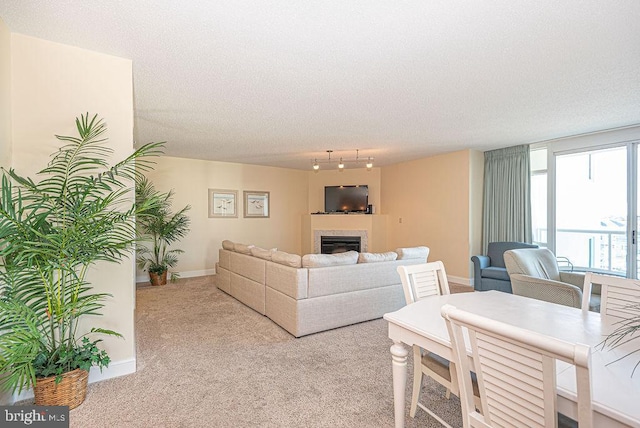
pixel 206 360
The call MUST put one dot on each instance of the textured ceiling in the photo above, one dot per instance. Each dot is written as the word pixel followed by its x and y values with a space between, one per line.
pixel 279 82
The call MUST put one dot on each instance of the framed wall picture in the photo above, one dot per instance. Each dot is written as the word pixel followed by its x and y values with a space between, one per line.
pixel 223 203
pixel 256 204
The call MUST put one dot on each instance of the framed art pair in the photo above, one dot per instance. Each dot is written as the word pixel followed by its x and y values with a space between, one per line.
pixel 224 203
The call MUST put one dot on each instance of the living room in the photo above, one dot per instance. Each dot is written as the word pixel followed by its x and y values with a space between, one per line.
pixel 433 200
pixel 33 114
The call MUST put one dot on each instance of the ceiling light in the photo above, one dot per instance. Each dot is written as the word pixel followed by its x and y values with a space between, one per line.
pixel 368 163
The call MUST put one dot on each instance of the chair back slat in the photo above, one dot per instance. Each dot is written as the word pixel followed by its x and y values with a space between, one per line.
pixel 425 284
pixel 513 382
pixel 423 280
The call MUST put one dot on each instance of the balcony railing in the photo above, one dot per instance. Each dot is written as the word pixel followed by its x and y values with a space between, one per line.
pixel 595 250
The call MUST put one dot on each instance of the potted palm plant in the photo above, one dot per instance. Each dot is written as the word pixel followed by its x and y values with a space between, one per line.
pixel 51 232
pixel 159 228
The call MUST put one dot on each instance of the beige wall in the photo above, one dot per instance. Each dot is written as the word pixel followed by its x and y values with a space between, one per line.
pixel 429 202
pixel 52 85
pixel 5 95
pixel 438 198
pixel 294 194
pixel 191 180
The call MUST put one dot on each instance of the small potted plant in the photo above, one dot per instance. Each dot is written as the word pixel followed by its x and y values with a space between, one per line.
pixel 159 228
pixel 51 232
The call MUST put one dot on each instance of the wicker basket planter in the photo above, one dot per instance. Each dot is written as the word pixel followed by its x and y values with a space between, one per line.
pixel 158 279
pixel 70 391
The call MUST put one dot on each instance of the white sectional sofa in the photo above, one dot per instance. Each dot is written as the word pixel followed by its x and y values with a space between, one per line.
pixel 315 292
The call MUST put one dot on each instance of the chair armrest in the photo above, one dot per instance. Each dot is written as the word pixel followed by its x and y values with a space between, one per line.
pixel 573 278
pixel 578 279
pixel 547 290
pixel 481 261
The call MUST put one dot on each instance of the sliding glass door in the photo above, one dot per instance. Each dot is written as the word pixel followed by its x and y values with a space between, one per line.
pixel 591 200
pixel 592 210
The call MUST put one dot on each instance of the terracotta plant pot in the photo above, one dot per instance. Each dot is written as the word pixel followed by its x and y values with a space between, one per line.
pixel 158 279
pixel 70 391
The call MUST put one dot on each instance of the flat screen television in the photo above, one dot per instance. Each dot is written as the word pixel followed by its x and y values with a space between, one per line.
pixel 350 199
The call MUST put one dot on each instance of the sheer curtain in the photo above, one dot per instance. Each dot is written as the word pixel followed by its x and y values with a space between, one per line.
pixel 507 196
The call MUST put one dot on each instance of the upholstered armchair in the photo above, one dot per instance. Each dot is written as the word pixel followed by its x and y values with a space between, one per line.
pixel 489 272
pixel 535 273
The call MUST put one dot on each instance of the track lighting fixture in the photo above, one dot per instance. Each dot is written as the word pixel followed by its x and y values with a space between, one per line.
pixel 368 163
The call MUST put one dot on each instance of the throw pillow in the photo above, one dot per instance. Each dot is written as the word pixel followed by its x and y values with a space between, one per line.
pixel 413 253
pixel 242 248
pixel 286 259
pixel 227 245
pixel 389 256
pixel 323 260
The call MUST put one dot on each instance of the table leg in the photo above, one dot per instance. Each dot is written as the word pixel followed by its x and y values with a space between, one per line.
pixel 399 355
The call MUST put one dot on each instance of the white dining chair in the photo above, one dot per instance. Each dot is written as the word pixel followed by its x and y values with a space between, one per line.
pixel 620 297
pixel 423 280
pixel 418 282
pixel 516 372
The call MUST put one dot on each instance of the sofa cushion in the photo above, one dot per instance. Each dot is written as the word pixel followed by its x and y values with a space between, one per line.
pixel 242 248
pixel 495 273
pixel 227 245
pixel 286 259
pixel 413 253
pixel 262 253
pixel 349 278
pixel 377 257
pixel 323 260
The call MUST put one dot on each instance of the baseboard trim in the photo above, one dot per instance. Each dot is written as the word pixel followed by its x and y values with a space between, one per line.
pixel 195 273
pixel 115 369
pixel 185 274
pixel 460 280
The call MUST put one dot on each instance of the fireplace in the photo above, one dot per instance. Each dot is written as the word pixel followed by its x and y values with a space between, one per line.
pixel 361 235
pixel 318 234
pixel 339 244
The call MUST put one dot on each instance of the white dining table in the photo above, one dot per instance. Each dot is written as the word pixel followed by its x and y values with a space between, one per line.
pixel 615 393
